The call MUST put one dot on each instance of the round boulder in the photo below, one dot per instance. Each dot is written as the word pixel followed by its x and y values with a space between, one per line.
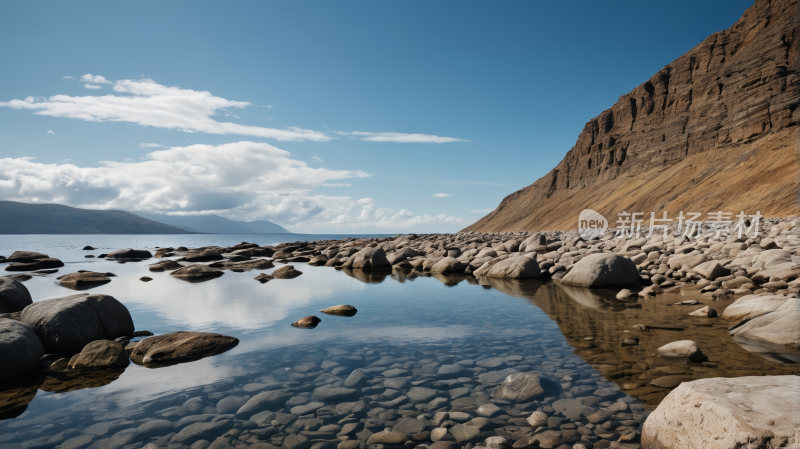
pixel 13 296
pixel 368 258
pixel 67 324
pixel 20 348
pixel 600 270
pixel 515 268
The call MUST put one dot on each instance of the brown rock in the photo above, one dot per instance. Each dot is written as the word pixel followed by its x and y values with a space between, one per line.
pixel 344 309
pixel 100 354
pixel 287 272
pixel 84 279
pixel 309 322
pixel 180 347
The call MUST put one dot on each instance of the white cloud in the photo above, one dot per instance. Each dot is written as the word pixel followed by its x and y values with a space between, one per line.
pixel 482 211
pixel 88 78
pixel 150 145
pixel 50 131
pixel 401 137
pixel 242 180
pixel 68 77
pixel 92 86
pixel 316 159
pixel 338 184
pixel 441 195
pixel 148 103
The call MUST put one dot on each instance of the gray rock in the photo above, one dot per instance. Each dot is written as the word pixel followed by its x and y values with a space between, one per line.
pixel 129 253
pixel 684 349
pixel 154 427
pixel 13 296
pixel 76 442
pixel 286 272
pixel 465 434
pixel 537 419
pixel 599 270
pixel 778 330
pixel 230 404
pixel 197 272
pixel 356 379
pixel 20 348
pixel 100 354
pixel 388 437
pixel 328 394
pixel 202 430
pixel 67 324
pixel 515 268
pixel 369 258
pixel 488 410
pixel 305 409
pixel 751 306
pixel 419 395
pixel 450 371
pixel 449 265
pixel 264 401
pixel 180 347
pixel 722 413
pixel 525 387
pixel 411 426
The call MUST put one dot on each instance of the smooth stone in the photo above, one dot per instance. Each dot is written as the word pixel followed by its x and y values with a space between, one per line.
pixel 344 310
pixel 20 348
pixel 13 296
pixel 599 270
pixel 525 387
pixel 100 354
pixel 682 349
pixel 180 347
pixel 309 322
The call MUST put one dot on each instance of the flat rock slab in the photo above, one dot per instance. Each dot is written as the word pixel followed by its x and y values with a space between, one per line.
pixel 723 413
pixel 181 347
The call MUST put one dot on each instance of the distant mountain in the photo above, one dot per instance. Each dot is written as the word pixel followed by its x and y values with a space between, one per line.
pixel 214 224
pixel 24 218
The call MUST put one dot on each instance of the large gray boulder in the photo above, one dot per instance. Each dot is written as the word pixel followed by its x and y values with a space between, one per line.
pixel 526 387
pixel 13 296
pixel 784 271
pixel 601 270
pixel 449 265
pixel 129 253
pixel 515 268
pixel 67 324
pixel 181 347
pixel 38 264
pixel 751 306
pixel 778 330
pixel 368 258
pixel 20 348
pixel 723 413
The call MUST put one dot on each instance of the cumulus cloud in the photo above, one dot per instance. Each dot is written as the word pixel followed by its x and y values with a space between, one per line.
pixel 441 195
pixel 92 86
pixel 88 78
pixel 241 180
pixel 150 145
pixel 50 131
pixel 316 159
pixel 338 184
pixel 147 103
pixel 401 137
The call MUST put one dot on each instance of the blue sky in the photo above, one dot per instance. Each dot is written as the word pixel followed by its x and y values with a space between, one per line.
pixel 320 116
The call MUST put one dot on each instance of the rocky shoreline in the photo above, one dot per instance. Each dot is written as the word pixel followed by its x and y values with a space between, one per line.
pixel 755 278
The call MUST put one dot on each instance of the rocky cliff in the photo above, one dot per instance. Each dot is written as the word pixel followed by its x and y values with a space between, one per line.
pixel 715 129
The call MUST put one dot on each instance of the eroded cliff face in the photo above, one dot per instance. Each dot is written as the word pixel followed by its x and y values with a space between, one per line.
pixel 714 130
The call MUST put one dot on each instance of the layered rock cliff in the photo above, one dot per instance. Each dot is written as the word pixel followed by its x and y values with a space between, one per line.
pixel 715 129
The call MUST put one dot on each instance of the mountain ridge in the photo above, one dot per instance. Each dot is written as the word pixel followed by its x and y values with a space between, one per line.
pixel 716 129
pixel 214 224
pixel 25 218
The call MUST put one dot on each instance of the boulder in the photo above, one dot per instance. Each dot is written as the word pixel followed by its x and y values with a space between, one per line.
pixel 26 256
pixel 13 296
pixel 706 312
pixel 449 265
pixel 129 253
pixel 785 272
pixel 689 260
pixel 751 306
pixel 197 271
pixel 100 354
pixel 203 256
pixel 722 413
pixel 38 264
pixel 368 258
pixel 401 255
pixel 165 265
pixel 309 322
pixel 181 347
pixel 253 264
pixel 84 279
pixel 526 387
pixel 343 309
pixel 318 260
pixel 481 272
pixel 711 270
pixel 286 272
pixel 771 257
pixel 778 330
pixel 521 267
pixel 67 324
pixel 264 278
pixel 20 348
pixel 684 349
pixel 599 270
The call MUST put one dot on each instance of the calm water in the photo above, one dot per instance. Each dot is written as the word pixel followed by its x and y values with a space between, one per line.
pixel 410 323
